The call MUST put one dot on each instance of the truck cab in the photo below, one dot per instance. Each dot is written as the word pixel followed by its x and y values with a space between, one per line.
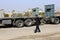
pixel 49 14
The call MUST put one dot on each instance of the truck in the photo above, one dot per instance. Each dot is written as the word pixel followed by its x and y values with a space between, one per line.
pixel 28 21
pixel 19 21
pixel 50 14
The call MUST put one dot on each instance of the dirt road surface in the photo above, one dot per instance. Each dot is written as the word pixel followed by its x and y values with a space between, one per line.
pixel 48 32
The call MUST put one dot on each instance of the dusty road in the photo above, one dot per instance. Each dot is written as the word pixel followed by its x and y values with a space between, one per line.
pixel 48 32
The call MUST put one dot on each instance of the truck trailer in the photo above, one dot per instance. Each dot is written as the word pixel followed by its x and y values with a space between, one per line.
pixel 20 21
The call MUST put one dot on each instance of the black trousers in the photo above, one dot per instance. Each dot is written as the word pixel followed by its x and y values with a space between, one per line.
pixel 37 29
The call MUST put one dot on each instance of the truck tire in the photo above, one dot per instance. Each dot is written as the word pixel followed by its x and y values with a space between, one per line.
pixel 19 23
pixel 28 22
pixel 56 21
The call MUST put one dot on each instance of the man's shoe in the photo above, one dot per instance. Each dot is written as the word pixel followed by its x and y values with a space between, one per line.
pixel 39 31
pixel 34 32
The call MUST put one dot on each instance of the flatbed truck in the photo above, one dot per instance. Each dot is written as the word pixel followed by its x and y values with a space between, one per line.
pixel 21 21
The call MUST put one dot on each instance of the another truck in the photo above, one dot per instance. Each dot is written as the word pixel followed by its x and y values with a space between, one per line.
pixel 50 14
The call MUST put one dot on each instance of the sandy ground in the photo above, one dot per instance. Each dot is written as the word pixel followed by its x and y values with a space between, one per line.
pixel 48 32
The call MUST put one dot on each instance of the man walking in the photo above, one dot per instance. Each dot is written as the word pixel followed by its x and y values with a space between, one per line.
pixel 37 24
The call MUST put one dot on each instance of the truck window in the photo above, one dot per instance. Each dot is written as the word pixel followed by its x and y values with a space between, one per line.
pixel 34 10
pixel 48 10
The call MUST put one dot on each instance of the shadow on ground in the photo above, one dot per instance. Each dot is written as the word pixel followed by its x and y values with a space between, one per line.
pixel 7 26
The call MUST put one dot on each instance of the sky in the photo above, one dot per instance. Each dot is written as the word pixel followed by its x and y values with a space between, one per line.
pixel 23 5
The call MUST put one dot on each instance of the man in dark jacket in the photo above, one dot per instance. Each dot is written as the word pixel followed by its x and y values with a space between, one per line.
pixel 37 24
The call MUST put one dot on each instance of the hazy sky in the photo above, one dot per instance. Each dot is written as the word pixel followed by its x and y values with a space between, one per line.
pixel 22 5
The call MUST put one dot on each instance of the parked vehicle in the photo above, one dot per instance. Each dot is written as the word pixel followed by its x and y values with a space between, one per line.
pixel 50 15
pixel 30 20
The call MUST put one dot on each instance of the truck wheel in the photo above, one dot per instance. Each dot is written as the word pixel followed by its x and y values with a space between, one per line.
pixel 28 22
pixel 19 23
pixel 56 21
